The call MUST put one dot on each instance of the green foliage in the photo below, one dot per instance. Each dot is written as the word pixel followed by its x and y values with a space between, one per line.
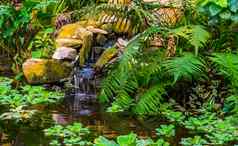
pixel 195 141
pixel 18 115
pixel 129 140
pixel 138 79
pixel 42 45
pixel 226 65
pixel 186 67
pixel 75 135
pixel 231 104
pixel 195 34
pixel 18 27
pixel 217 131
pixel 166 131
pixel 77 5
pixel 24 102
pixel 220 10
pixel 27 96
pixel 149 101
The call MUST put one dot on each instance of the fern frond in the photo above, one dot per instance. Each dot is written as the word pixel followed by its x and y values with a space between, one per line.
pixel 149 101
pixel 119 77
pixel 186 67
pixel 122 102
pixel 227 65
pixel 195 34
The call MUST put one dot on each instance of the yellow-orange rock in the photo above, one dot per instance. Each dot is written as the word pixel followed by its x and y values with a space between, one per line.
pixel 40 71
pixel 106 57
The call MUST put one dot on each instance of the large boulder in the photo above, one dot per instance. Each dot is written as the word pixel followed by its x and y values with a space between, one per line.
pixel 74 35
pixel 40 71
pixel 65 53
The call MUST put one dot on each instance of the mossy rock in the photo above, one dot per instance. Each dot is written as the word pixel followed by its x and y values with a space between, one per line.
pixel 40 71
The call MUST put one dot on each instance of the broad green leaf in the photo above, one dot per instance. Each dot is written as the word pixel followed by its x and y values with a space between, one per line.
pixel 127 140
pixel 102 141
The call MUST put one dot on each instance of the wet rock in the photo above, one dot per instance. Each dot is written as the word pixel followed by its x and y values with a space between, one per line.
pixel 74 35
pixel 68 42
pixel 101 39
pixel 65 53
pixel 40 71
pixel 96 30
pixel 68 37
pixel 106 57
pixel 121 43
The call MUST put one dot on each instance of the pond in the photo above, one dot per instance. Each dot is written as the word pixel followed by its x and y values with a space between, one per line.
pixel 100 123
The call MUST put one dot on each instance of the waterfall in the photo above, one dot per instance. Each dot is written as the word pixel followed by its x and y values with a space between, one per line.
pixel 84 93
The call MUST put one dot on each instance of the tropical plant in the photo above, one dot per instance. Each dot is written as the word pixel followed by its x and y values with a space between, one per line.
pixel 73 135
pixel 27 96
pixel 226 65
pixel 42 45
pixel 129 140
pixel 195 141
pixel 145 78
pixel 166 131
pixel 18 27
pixel 215 130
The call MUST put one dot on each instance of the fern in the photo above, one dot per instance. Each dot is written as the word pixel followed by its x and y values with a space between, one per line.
pixel 150 72
pixel 185 67
pixel 195 34
pixel 227 65
pixel 150 100
pixel 118 78
pixel 122 102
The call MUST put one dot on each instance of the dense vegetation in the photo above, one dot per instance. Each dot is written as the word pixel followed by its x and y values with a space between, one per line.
pixel 190 81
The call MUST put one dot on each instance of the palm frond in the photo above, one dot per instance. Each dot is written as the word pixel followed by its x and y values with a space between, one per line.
pixel 185 67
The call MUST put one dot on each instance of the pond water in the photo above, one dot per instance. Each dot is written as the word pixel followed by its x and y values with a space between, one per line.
pixel 101 123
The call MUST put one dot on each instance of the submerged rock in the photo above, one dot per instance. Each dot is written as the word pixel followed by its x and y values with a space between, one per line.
pixel 65 53
pixel 40 71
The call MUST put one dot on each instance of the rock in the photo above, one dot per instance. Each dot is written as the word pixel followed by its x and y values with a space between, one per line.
pixel 68 42
pixel 96 30
pixel 65 53
pixel 75 36
pixel 106 57
pixel 40 71
pixel 68 37
pixel 101 39
pixel 121 43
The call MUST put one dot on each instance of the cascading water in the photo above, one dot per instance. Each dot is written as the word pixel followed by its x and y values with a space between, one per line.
pixel 86 82
pixel 85 89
